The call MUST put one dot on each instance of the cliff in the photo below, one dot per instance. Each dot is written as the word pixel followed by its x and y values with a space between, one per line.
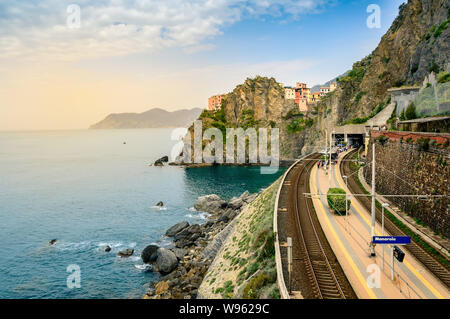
pixel 154 118
pixel 259 103
pixel 417 43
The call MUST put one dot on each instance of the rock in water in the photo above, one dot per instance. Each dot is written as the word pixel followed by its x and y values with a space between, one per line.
pixel 160 204
pixel 107 249
pixel 158 163
pixel 161 161
pixel 172 231
pixel 166 261
pixel 149 255
pixel 126 253
pixel 51 242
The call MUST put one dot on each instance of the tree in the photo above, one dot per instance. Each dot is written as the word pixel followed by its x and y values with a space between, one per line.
pixel 410 113
pixel 402 115
pixel 336 200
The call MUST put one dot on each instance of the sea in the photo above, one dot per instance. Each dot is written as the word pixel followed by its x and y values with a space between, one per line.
pixel 89 189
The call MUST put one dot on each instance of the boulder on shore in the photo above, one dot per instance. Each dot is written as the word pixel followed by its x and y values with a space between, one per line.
pixel 210 204
pixel 126 253
pixel 149 255
pixel 172 231
pixel 166 261
pixel 236 203
pixel 179 252
pixel 161 287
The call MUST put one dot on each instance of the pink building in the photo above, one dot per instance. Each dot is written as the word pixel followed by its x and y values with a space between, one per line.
pixel 302 96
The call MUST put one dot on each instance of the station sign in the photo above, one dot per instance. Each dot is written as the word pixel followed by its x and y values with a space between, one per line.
pixel 398 254
pixel 399 240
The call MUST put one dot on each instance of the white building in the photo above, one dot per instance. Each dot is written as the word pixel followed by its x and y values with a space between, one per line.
pixel 289 93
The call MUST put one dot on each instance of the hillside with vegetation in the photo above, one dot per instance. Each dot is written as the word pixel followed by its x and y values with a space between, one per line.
pixel 417 43
pixel 245 265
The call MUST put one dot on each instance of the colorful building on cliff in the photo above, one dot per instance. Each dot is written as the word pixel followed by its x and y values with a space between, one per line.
pixel 315 97
pixel 215 101
pixel 289 93
pixel 327 89
pixel 302 96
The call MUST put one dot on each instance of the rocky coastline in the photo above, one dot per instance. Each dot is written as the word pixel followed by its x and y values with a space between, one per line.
pixel 184 266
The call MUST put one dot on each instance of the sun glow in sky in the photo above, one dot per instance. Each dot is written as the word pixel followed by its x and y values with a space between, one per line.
pixel 130 56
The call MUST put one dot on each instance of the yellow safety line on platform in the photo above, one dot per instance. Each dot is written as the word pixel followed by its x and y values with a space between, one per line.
pixel 407 264
pixel 341 245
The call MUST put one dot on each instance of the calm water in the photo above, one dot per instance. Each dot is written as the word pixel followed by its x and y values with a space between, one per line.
pixel 88 189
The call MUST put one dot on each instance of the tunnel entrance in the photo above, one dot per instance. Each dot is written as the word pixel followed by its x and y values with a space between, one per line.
pixel 353 140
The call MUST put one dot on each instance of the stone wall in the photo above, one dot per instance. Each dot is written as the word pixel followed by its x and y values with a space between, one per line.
pixel 402 168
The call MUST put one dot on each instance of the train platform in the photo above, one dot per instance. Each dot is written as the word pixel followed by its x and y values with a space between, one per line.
pixel 349 236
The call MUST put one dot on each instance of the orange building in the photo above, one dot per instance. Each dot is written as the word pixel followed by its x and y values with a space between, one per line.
pixel 215 101
pixel 315 97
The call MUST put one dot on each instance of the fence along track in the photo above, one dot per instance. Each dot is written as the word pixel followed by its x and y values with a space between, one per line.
pixel 439 270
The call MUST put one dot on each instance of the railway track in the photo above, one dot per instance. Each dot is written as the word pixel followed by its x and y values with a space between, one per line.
pixel 439 270
pixel 316 272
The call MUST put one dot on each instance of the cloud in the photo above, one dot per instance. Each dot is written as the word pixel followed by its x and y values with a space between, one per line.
pixel 31 29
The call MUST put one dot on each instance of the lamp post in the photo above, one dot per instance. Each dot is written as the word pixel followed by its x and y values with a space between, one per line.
pixel 382 225
pixel 326 146
pixel 372 228
pixel 329 168
pixel 346 199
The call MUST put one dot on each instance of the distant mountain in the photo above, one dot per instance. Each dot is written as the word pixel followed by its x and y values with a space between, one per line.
pixel 316 88
pixel 154 118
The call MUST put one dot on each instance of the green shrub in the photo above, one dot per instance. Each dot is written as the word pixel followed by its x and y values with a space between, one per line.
pixel 299 124
pixel 382 139
pixel 441 28
pixel 252 269
pixel 359 96
pixel 336 200
pixel 275 293
pixel 434 68
pixel 410 112
pixel 268 251
pixel 424 144
pixel 444 78
pixel 253 288
pixel 219 290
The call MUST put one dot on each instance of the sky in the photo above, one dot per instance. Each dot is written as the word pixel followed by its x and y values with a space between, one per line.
pixel 68 64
